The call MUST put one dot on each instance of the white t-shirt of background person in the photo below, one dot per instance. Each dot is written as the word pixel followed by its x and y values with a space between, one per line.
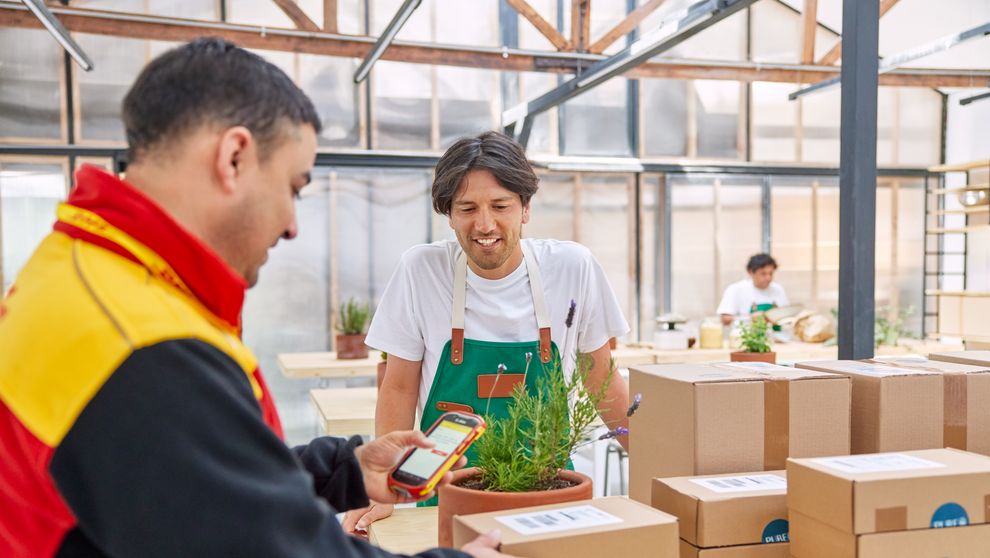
pixel 740 297
pixel 413 316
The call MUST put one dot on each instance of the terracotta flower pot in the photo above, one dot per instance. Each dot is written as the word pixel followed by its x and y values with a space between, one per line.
pixel 351 346
pixel 380 374
pixel 745 356
pixel 455 500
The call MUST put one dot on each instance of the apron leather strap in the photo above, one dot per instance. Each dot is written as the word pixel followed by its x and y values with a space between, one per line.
pixel 460 290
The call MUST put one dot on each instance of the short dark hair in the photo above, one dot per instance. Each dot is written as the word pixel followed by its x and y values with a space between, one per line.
pixel 759 261
pixel 494 152
pixel 212 81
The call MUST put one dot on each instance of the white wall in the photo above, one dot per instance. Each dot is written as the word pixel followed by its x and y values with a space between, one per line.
pixel 967 139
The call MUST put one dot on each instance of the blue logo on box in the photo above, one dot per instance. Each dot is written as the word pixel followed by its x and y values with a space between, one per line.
pixel 776 531
pixel 950 515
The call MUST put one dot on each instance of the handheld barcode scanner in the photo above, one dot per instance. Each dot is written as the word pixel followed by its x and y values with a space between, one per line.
pixel 421 469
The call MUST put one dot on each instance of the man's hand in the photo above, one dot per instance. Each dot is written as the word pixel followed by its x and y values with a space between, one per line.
pixel 486 546
pixel 359 519
pixel 378 457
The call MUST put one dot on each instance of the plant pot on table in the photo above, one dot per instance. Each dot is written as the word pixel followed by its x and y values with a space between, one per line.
pixel 458 500
pixel 351 347
pixel 746 356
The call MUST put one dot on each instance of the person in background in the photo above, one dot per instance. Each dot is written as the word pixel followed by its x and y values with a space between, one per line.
pixel 758 293
pixel 458 317
pixel 134 422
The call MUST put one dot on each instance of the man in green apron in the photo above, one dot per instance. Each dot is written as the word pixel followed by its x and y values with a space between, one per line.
pixel 464 321
pixel 757 293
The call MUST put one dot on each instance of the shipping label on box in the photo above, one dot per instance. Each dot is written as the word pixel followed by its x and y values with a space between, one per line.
pixel 705 419
pixel 778 550
pixel 613 526
pixel 891 492
pixel 893 408
pixel 725 510
pixel 814 539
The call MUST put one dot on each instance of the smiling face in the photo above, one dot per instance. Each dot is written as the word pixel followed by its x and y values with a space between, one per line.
pixel 763 276
pixel 264 211
pixel 487 219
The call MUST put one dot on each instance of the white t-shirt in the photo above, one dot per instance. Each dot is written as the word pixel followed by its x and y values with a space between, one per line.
pixel 740 297
pixel 413 316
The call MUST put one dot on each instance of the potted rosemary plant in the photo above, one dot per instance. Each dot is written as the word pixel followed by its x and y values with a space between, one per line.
pixel 522 459
pixel 353 318
pixel 754 338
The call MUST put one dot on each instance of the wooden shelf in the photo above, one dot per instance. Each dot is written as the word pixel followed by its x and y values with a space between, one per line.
pixel 960 189
pixel 971 210
pixel 958 230
pixel 936 292
pixel 960 167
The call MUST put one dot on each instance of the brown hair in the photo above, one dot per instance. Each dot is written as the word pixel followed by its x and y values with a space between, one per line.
pixel 494 152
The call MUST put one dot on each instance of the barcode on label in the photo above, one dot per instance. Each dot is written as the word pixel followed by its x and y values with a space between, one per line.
pixel 743 483
pixel 561 519
pixel 877 463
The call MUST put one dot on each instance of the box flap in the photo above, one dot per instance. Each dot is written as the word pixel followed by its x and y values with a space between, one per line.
pixel 729 372
pixel 921 363
pixel 861 368
pixel 974 358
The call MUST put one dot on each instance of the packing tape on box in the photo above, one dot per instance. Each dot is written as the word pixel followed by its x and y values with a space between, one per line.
pixel 776 416
pixel 954 402
pixel 776 423
pixel 891 519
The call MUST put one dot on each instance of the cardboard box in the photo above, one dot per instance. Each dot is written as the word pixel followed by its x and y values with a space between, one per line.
pixel 973 358
pixel 813 539
pixel 726 510
pixel 703 419
pixel 778 550
pixel 892 491
pixel 966 400
pixel 613 526
pixel 893 408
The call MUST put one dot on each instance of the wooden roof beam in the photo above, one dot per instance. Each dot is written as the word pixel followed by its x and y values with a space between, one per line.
pixel 541 25
pixel 295 13
pixel 625 26
pixel 833 55
pixel 810 26
pixel 136 26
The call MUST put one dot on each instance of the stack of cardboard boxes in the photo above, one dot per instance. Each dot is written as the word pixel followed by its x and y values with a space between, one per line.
pixel 892 505
pixel 728 516
pixel 702 419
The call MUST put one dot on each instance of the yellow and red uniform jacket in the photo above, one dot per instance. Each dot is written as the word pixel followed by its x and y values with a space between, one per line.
pixel 133 420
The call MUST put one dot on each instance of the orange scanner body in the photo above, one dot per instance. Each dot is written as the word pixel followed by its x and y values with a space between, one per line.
pixel 421 469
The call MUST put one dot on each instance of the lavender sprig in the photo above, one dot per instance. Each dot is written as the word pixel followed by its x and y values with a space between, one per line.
pixel 570 314
pixel 618 431
pixel 637 399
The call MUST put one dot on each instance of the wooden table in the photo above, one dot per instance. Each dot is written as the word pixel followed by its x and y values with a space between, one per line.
pixel 798 352
pixel 406 531
pixel 346 411
pixel 327 365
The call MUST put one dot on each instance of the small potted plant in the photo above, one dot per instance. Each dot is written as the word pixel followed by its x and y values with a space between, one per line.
pixel 353 319
pixel 754 338
pixel 522 458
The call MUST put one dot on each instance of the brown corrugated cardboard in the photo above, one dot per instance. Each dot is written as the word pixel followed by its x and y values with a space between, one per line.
pixel 726 510
pixel 814 539
pixel 973 358
pixel 966 400
pixel 701 419
pixel 778 550
pixel 891 491
pixel 893 408
pixel 613 526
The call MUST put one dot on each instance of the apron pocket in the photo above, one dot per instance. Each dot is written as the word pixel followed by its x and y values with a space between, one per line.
pixel 445 406
pixel 498 385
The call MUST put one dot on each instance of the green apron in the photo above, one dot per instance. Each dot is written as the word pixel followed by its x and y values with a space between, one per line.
pixel 763 308
pixel 467 376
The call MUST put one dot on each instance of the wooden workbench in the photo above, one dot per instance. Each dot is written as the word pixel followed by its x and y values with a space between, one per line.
pixel 788 353
pixel 346 411
pixel 406 531
pixel 327 365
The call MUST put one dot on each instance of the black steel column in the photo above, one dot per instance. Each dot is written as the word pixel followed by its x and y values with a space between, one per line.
pixel 858 178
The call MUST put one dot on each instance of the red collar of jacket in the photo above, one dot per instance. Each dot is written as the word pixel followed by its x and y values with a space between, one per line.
pixel 211 280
